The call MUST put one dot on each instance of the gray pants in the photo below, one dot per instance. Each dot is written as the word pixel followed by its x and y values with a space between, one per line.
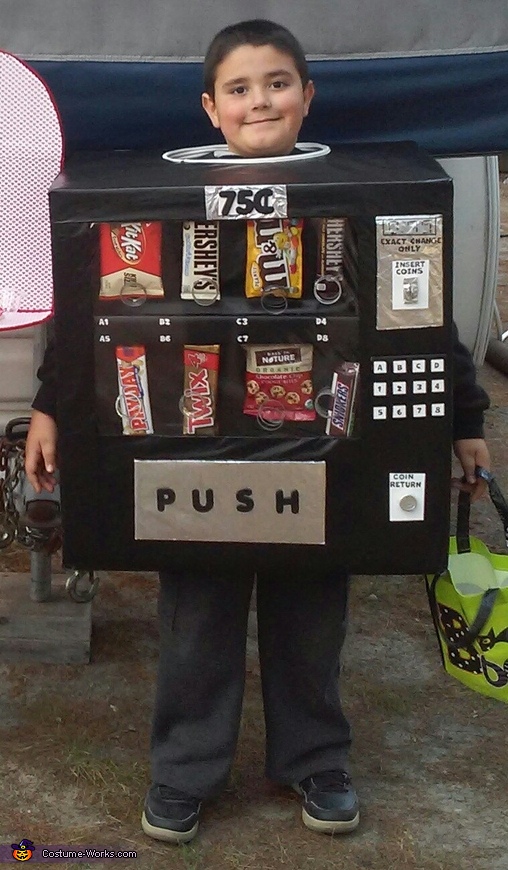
pixel 203 630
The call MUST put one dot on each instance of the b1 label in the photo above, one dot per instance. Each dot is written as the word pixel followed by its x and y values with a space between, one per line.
pixel 230 202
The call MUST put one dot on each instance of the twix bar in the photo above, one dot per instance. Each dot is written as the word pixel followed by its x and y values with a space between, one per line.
pixel 201 376
pixel 133 404
pixel 130 260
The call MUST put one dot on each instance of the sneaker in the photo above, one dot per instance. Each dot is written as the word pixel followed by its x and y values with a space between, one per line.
pixel 330 802
pixel 170 815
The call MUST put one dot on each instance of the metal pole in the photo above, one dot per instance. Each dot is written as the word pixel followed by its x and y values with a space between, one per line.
pixel 40 563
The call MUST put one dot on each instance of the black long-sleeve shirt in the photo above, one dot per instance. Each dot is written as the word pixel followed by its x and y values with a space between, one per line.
pixel 469 399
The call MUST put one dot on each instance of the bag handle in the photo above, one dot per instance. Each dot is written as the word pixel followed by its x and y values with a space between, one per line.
pixel 462 527
pixel 464 546
pixel 464 507
pixel 500 504
pixel 475 629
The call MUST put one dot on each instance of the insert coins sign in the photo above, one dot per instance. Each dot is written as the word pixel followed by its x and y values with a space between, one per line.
pixel 240 501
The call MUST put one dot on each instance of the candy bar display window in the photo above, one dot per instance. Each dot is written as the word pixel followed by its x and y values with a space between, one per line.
pixel 229 328
pixel 254 355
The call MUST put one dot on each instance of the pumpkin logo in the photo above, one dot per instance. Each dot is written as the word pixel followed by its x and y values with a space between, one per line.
pixel 23 850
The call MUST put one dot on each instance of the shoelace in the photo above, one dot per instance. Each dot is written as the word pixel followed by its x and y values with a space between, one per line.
pixel 330 780
pixel 172 794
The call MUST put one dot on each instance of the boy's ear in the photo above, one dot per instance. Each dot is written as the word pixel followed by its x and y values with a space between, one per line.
pixel 308 93
pixel 209 106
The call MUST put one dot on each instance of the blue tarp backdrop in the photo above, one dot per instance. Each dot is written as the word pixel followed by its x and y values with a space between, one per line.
pixel 447 103
pixel 128 74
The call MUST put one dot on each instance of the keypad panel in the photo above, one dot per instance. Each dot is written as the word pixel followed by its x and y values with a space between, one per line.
pixel 409 387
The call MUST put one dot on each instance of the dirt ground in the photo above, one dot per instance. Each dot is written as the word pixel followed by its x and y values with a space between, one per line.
pixel 430 758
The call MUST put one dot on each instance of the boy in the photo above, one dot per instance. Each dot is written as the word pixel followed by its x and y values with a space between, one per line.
pixel 257 92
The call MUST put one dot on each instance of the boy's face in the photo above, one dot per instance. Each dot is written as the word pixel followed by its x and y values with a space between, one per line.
pixel 259 101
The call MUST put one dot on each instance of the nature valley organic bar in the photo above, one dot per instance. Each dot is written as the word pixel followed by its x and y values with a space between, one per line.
pixel 278 382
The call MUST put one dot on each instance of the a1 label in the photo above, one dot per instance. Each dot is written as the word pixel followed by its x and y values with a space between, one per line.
pixel 229 202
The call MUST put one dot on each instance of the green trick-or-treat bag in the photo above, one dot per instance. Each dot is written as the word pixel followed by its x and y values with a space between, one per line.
pixel 469 605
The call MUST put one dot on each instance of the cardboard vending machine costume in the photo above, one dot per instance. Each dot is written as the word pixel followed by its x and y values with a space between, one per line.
pixel 255 360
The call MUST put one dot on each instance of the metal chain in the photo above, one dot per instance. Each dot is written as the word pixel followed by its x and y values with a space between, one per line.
pixel 12 461
pixel 12 464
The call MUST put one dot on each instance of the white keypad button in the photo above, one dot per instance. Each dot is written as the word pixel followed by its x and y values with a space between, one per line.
pixel 421 377
pixel 399 388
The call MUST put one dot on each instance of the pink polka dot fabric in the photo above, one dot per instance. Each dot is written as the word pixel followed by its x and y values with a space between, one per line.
pixel 31 154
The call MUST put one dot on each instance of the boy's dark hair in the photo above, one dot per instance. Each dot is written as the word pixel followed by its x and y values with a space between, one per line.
pixel 259 31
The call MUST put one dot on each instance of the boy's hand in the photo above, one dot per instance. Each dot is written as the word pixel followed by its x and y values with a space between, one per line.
pixel 40 452
pixel 472 452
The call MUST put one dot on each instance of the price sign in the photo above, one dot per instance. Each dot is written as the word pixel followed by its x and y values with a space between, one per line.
pixel 230 202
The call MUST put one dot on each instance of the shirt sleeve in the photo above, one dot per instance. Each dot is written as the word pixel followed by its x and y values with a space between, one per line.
pixel 469 399
pixel 45 398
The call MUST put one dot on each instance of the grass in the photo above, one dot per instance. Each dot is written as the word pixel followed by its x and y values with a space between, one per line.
pixel 192 857
pixel 104 775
